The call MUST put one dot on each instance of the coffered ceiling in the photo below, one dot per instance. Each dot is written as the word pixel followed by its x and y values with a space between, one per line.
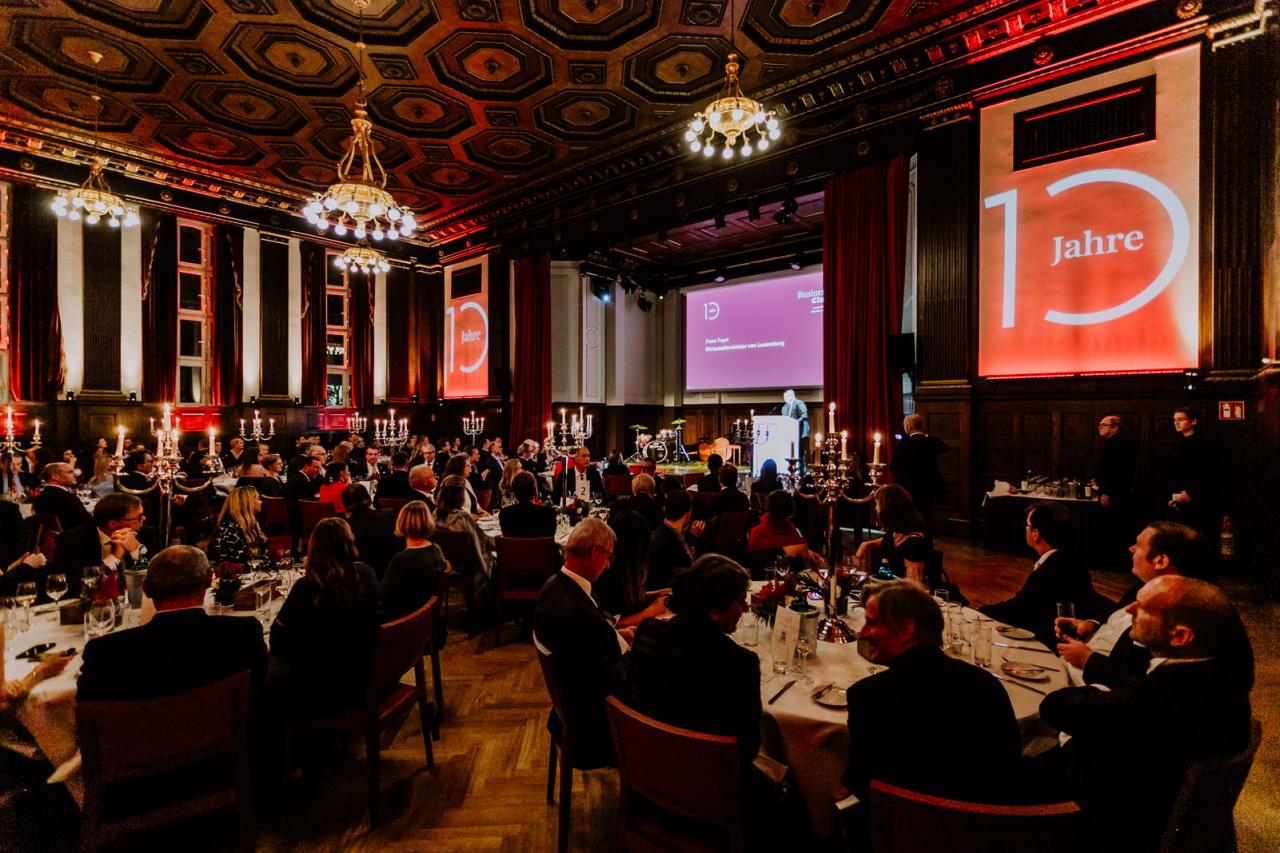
pixel 470 98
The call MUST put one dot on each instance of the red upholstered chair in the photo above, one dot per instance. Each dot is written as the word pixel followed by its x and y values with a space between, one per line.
pixel 667 772
pixel 565 748
pixel 399 648
pixel 732 533
pixel 484 499
pixel 617 485
pixel 523 564
pixel 904 821
pixel 181 731
pixel 314 512
pixel 275 516
pixel 392 505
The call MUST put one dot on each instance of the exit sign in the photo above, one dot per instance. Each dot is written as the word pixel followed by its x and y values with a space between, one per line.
pixel 1231 410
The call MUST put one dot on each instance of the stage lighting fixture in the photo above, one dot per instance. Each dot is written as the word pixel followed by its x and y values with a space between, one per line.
pixel 601 289
pixel 720 276
pixel 797 262
pixel 643 303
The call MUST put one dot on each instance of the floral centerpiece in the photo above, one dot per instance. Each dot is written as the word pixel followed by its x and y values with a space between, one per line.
pixel 774 594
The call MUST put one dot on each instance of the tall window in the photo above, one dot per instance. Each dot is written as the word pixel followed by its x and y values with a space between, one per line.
pixel 337 338
pixel 4 291
pixel 194 274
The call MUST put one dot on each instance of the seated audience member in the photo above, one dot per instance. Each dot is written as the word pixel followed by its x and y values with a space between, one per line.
pixel 375 541
pixel 238 537
pixel 271 486
pixel 616 466
pixel 57 496
pixel 181 648
pixel 686 672
pixel 669 551
pixel 339 479
pixel 1056 577
pixel 460 466
pixel 308 446
pixel 486 471
pixel 904 544
pixel 776 529
pixel 923 690
pixel 528 457
pixel 249 467
pixel 1104 652
pixel 422 480
pixel 585 649
pixel 367 467
pixel 1130 746
pixel 768 481
pixel 620 589
pixel 17 564
pixel 525 519
pixel 505 496
pixel 581 482
pixel 11 486
pixel 232 459
pixel 101 482
pixel 642 501
pixel 110 539
pixel 710 481
pixel 730 498
pixel 451 515
pixel 326 628
pixel 395 485
pixel 303 486
pixel 414 574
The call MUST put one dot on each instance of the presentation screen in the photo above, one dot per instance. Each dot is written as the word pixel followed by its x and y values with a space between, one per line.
pixel 1088 257
pixel 466 329
pixel 763 334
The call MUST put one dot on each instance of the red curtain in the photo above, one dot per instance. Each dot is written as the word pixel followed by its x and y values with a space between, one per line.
pixel 531 372
pixel 159 306
pixel 35 329
pixel 227 311
pixel 362 293
pixel 863 245
pixel 426 307
pixel 313 340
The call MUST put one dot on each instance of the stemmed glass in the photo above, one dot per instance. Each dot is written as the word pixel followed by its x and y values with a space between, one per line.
pixel 101 619
pixel 56 586
pixel 26 595
pixel 262 605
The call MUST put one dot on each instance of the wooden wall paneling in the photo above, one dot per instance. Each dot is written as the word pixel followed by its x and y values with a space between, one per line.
pixel 273 261
pixel 949 420
pixel 101 309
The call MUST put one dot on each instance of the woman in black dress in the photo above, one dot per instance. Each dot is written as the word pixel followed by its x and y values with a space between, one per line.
pixel 904 544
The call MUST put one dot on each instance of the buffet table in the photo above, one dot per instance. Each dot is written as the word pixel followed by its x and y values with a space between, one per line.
pixel 1004 521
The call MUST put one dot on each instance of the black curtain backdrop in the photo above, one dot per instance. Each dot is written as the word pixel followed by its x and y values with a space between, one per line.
pixel 159 306
pixel 313 343
pixel 35 329
pixel 531 361
pixel 226 379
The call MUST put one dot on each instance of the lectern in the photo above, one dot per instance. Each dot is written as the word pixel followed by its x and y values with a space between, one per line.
pixel 775 437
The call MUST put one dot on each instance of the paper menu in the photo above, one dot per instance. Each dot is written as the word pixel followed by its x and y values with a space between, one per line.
pixel 786 630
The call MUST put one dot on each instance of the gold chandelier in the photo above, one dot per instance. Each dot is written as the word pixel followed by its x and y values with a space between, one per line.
pixel 94 199
pixel 731 120
pixel 359 203
pixel 362 259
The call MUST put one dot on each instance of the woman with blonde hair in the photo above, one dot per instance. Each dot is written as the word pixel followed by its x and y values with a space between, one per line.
pixel 102 483
pixel 413 575
pixel 238 537
pixel 510 468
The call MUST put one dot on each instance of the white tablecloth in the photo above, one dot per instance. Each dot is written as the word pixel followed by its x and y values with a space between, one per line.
pixel 489 524
pixel 814 740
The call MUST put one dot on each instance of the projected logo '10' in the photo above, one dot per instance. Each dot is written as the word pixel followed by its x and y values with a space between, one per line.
pixel 475 331
pixel 1177 251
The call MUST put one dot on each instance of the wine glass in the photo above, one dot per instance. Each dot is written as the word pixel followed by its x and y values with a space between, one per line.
pixel 56 586
pixel 804 650
pixel 262 605
pixel 102 618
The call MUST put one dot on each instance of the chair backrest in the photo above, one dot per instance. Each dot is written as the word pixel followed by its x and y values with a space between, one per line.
pixel 691 480
pixel 758 501
pixel 399 647
pixel 45 538
pixel 484 498
pixel 617 485
pixel 733 531
pixel 904 821
pixel 1202 814
pixel 392 504
pixel 313 512
pixel 539 557
pixel 691 774
pixel 552 679
pixel 274 512
pixel 149 737
pixel 459 550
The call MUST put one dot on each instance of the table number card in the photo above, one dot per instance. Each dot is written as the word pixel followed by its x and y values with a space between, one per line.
pixel 786 630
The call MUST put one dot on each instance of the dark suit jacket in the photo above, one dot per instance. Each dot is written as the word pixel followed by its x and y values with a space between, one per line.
pixel 57 501
pixel 360 468
pixel 395 486
pixel 645 504
pixel 299 488
pixel 1116 468
pixel 800 412
pixel 731 500
pixel 13 545
pixel 593 477
pixel 669 555
pixel 693 676
pixel 587 659
pixel 375 537
pixel 915 468
pixel 78 548
pixel 1130 746
pixel 926 691
pixel 709 483
pixel 175 651
pixel 527 520
pixel 268 487
pixel 1060 578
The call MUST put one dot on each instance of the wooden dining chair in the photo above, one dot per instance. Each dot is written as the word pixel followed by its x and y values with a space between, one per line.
pixel 312 513
pixel 392 505
pixel 732 533
pixel 564 747
pixel 617 486
pixel 522 566
pixel 667 772
pixel 460 551
pixel 275 516
pixel 484 499
pixel 905 821
pixel 127 744
pixel 691 479
pixel 1202 819
pixel 398 649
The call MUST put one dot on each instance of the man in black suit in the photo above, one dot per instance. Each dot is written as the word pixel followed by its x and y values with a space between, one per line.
pixel 180 648
pixel 303 486
pixel 1056 577
pixel 110 539
pixel 585 650
pixel 642 501
pixel 1130 746
pixel 374 532
pixel 669 551
pixel 582 482
pixel 525 519
pixel 422 483
pixel 1195 475
pixel 730 498
pixel 306 449
pixel 797 410
pixel 367 467
pixel 395 486
pixel 923 691
pixel 710 481
pixel 1114 478
pixel 58 499
pixel 915 467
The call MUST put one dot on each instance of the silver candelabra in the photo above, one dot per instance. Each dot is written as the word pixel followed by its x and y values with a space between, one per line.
pixel 256 433
pixel 389 433
pixel 9 444
pixel 167 476
pixel 473 426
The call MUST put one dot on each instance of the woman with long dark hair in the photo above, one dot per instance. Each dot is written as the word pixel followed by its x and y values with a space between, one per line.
pixel 768 481
pixel 904 544
pixel 620 589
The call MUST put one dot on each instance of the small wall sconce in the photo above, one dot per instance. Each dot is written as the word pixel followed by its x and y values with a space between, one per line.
pixel 71 395
pixel 133 396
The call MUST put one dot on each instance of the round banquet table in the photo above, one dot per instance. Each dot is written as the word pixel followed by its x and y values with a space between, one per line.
pixel 814 740
pixel 490 525
pixel 49 711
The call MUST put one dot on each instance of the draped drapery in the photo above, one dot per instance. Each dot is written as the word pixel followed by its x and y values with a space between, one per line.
pixel 35 329
pixel 227 311
pixel 531 358
pixel 361 319
pixel 864 241
pixel 159 306
pixel 313 323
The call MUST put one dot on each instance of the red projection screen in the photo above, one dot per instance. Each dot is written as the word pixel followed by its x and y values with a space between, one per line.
pixel 1089 264
pixel 466 329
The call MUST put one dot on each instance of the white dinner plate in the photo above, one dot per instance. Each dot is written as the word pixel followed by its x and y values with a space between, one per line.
pixel 1025 671
pixel 833 697
pixel 1015 633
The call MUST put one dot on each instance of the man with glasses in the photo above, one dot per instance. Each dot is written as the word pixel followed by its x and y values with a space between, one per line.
pixel 1114 481
pixel 110 540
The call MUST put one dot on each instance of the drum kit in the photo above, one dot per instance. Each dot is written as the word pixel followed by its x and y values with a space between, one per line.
pixel 665 446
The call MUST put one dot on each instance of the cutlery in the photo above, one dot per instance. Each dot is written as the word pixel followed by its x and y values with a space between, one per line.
pixel 1024 648
pixel 817 694
pixel 1019 683
pixel 784 689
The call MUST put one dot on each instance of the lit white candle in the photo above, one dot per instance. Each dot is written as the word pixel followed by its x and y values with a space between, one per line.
pixel 817 449
pixel 793 451
pixel 8 420
pixel 173 447
pixel 211 433
pixel 831 418
pixel 37 435
pixel 404 422
pixel 153 425
pixel 562 427
pixel 272 427
pixel 875 459
pixel 166 422
pixel 392 419
pixel 589 417
pixel 844 446
pixel 120 441
pixel 242 425
pixel 550 427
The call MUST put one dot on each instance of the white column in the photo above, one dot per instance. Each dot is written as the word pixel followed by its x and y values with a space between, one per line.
pixel 593 343
pixel 295 317
pixel 131 311
pixel 379 337
pixel 71 300
pixel 251 318
pixel 566 332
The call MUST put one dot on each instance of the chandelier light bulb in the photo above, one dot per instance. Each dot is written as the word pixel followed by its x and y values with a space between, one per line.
pixel 709 151
pixel 695 145
pixel 74 215
pixel 340 230
pixel 91 219
pixel 113 222
pixel 746 149
pixel 774 133
pixel 763 144
pixel 330 203
pixel 727 153
pixel 377 233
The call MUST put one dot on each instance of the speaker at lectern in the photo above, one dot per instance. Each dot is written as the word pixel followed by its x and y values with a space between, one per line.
pixel 775 437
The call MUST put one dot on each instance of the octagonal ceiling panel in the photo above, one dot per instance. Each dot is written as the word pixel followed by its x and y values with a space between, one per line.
pixel 395 22
pixel 209 145
pixel 594 24
pixel 491 65
pixel 291 58
pixel 510 150
pixel 417 111
pixel 801 26
pixel 239 106
pixel 68 104
pixel 679 69
pixel 333 143
pixel 584 114
pixel 311 175
pixel 64 46
pixel 450 178
pixel 174 18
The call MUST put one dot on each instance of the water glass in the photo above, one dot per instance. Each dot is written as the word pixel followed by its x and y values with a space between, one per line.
pixel 968 632
pixel 982 642
pixel 101 619
pixel 804 650
pixel 749 630
pixel 262 605
pixel 943 597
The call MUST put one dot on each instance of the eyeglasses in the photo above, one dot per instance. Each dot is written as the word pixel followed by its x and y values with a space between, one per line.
pixel 140 517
